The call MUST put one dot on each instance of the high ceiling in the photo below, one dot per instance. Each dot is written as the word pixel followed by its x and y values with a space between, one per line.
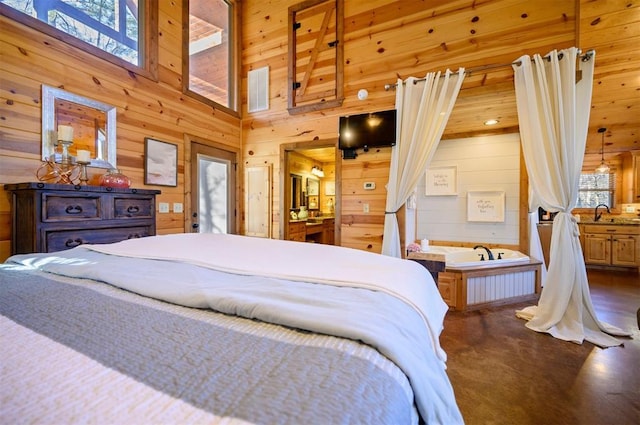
pixel 608 28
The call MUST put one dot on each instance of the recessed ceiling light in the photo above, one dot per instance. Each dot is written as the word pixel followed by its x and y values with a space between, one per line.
pixel 491 122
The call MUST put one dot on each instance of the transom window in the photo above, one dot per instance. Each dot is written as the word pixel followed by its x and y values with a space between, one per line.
pixel 596 189
pixel 115 27
pixel 210 71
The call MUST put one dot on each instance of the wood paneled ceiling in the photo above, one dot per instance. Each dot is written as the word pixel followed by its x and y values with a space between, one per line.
pixel 323 155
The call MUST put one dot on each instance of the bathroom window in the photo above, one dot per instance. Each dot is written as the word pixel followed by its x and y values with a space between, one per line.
pixel 596 189
pixel 119 31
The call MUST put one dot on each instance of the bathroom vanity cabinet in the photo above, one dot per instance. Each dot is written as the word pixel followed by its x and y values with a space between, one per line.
pixel 329 231
pixel 611 244
pixel 297 231
pixel 318 230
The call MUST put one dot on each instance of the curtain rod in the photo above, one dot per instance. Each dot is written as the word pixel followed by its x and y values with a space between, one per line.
pixel 584 58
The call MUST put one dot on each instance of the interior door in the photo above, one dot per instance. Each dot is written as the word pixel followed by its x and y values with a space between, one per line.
pixel 213 189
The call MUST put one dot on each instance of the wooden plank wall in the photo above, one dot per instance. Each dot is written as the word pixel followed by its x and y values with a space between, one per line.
pixel 145 108
pixel 385 40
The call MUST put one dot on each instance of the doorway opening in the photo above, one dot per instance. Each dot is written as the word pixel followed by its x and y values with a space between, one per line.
pixel 212 196
pixel 310 195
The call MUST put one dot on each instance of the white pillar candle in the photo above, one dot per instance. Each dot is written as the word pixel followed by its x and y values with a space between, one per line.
pixel 65 132
pixel 83 156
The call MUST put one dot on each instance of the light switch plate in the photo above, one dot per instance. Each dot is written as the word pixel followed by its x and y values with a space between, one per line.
pixel 177 207
pixel 369 185
pixel 163 207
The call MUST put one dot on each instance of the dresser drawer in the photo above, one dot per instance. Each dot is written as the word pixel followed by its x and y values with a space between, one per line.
pixel 56 207
pixel 52 217
pixel 131 207
pixel 65 239
pixel 297 231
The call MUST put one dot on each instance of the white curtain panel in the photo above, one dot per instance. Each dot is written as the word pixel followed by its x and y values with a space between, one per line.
pixel 423 107
pixel 535 246
pixel 553 112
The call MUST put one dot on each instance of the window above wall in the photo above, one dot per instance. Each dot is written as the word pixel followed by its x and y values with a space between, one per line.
pixel 210 71
pixel 120 31
pixel 596 189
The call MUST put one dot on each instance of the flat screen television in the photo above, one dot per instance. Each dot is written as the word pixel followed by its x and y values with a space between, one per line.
pixel 364 131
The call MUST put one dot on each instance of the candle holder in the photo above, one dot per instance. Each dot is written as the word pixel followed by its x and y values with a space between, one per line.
pixel 50 170
pixel 65 172
pixel 83 172
pixel 66 163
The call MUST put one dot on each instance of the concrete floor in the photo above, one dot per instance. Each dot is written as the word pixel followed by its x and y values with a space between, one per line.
pixel 504 373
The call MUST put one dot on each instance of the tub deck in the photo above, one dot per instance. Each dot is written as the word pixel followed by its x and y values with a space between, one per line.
pixel 454 283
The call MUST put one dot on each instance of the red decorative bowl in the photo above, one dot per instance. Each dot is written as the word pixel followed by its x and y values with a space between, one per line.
pixel 114 178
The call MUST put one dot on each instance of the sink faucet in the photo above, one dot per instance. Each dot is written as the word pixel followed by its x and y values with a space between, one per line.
pixel 597 216
pixel 489 253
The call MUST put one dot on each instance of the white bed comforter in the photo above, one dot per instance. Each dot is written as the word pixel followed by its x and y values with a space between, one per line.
pixel 408 336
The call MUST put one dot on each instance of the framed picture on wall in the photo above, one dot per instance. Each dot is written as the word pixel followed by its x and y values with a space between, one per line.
pixel 486 206
pixel 313 187
pixel 330 188
pixel 441 181
pixel 160 163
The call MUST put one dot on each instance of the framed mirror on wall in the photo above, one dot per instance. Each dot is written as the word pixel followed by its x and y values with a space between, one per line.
pixel 93 126
pixel 297 192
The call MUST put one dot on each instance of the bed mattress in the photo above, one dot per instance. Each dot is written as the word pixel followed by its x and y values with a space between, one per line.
pixel 172 341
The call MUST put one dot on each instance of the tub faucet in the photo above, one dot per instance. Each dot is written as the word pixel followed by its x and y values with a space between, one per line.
pixel 597 216
pixel 489 253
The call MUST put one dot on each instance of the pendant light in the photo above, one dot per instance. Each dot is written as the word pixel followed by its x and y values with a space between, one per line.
pixel 603 168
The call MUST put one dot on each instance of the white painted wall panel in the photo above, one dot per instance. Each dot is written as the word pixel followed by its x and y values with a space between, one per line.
pixel 483 164
pixel 491 288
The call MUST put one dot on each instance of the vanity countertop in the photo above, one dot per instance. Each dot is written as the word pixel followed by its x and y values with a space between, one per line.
pixel 613 221
pixel 313 220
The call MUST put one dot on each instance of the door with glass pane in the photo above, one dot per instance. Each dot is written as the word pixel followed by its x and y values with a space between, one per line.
pixel 213 188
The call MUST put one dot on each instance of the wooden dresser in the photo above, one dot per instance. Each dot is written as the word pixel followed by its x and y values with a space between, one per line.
pixel 55 217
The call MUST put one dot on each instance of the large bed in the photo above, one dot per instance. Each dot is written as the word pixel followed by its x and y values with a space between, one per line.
pixel 206 328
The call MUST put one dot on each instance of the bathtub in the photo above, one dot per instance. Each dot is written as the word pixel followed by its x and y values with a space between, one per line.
pixel 468 257
pixel 466 283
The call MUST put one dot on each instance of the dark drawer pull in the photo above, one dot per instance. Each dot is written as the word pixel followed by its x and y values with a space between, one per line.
pixel 133 209
pixel 72 243
pixel 73 209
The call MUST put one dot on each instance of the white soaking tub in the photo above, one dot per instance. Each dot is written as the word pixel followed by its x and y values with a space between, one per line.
pixel 468 257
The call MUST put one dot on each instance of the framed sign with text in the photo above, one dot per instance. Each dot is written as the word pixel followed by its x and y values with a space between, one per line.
pixel 486 206
pixel 441 181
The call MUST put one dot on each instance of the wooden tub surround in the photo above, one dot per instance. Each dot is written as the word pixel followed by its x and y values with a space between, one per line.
pixel 475 287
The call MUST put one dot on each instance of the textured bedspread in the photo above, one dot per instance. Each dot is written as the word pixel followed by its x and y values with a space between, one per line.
pixel 120 358
pixel 361 297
